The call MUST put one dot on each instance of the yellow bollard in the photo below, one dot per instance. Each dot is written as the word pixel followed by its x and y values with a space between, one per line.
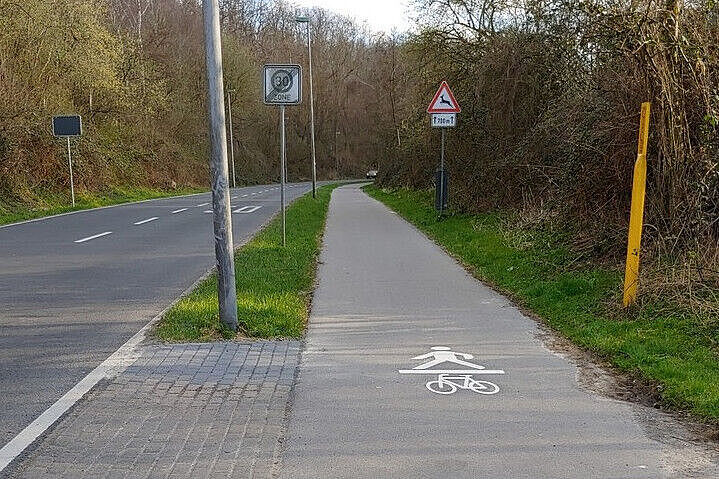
pixel 636 218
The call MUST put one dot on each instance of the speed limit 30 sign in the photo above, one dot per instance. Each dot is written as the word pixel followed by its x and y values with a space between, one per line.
pixel 282 84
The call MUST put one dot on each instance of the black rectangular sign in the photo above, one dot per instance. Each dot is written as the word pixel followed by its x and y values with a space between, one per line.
pixel 67 125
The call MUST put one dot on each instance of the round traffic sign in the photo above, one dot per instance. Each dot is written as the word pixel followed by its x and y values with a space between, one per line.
pixel 281 81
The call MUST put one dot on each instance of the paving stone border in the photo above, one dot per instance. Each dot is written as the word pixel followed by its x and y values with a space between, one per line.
pixel 180 410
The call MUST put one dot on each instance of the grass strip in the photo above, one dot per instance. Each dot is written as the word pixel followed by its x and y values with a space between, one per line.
pixel 274 284
pixel 677 353
pixel 48 203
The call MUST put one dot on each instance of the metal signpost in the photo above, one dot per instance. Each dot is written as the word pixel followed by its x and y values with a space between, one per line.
pixel 221 213
pixel 68 126
pixel 282 86
pixel 444 109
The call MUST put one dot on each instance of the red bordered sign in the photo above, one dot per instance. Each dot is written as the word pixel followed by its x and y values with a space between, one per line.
pixel 443 101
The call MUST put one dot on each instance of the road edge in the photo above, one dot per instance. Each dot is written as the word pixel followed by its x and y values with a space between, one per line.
pixel 116 363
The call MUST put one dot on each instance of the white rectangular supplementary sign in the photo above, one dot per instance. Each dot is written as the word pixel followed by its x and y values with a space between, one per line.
pixel 444 120
pixel 282 84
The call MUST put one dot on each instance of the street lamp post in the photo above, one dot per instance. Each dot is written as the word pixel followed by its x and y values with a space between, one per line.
pixel 221 218
pixel 306 20
pixel 232 145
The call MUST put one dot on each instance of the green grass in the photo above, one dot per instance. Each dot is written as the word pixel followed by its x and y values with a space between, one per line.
pixel 274 284
pixel 678 353
pixel 49 203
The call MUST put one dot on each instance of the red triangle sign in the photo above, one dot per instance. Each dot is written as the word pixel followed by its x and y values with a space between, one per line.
pixel 443 101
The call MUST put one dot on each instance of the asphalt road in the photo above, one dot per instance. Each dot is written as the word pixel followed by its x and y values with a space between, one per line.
pixel 362 405
pixel 70 298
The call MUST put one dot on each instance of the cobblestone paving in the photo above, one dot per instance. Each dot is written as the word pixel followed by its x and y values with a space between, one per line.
pixel 187 410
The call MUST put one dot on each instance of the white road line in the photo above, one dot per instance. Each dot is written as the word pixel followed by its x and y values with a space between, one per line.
pixel 88 210
pixel 247 209
pixel 201 205
pixel 451 371
pixel 93 237
pixel 147 220
pixel 207 211
pixel 111 367
pixel 244 196
pixel 179 211
pixel 234 198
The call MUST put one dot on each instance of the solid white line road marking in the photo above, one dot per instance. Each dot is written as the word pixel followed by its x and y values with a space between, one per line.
pixel 179 211
pixel 247 209
pixel 451 371
pixel 147 220
pixel 93 237
pixel 111 367
pixel 201 205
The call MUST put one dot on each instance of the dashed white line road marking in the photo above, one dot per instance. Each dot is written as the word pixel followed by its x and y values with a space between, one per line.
pixel 179 211
pixel 234 198
pixel 93 237
pixel 247 209
pixel 201 205
pixel 244 196
pixel 146 221
pixel 207 211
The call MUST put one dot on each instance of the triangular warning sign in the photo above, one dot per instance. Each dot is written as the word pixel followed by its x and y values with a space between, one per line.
pixel 443 101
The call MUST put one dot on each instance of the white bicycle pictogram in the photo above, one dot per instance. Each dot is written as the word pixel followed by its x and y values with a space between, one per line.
pixel 447 384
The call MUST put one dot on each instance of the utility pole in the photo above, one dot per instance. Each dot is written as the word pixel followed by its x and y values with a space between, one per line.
pixel 232 146
pixel 222 220
pixel 306 19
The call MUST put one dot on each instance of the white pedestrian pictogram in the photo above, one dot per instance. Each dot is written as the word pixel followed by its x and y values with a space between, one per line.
pixel 443 354
pixel 450 380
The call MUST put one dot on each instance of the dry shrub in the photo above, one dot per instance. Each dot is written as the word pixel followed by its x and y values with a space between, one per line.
pixel 550 116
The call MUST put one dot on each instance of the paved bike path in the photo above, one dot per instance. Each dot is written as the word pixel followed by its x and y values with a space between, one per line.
pixel 387 294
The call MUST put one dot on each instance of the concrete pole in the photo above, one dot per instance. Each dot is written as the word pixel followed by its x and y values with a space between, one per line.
pixel 222 220
pixel 312 114
pixel 282 173
pixel 232 145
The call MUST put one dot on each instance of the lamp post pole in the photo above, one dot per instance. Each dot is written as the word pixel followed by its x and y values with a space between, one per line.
pixel 222 221
pixel 232 145
pixel 306 20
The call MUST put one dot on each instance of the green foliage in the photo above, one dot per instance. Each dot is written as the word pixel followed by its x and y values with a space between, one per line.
pixel 274 283
pixel 678 352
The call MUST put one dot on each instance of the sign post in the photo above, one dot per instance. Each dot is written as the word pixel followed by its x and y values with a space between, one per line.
pixel 444 109
pixel 68 126
pixel 282 86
